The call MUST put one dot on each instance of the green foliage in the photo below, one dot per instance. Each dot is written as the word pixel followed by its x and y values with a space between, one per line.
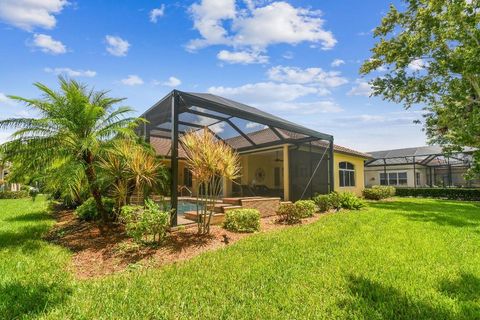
pixel 88 210
pixel 379 192
pixel 13 194
pixel 431 54
pixel 288 213
pixel 445 193
pixel 350 201
pixel 74 126
pixel 306 208
pixel 242 220
pixel 147 223
pixel 337 201
pixel 326 202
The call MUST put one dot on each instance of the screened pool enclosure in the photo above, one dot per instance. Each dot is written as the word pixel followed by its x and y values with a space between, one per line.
pixel 278 157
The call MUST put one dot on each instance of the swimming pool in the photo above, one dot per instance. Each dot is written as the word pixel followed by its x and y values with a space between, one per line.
pixel 186 205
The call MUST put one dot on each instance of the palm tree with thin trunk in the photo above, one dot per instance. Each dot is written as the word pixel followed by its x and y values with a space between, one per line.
pixel 74 124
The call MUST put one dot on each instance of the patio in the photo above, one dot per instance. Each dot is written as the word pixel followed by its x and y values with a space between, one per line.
pixel 279 158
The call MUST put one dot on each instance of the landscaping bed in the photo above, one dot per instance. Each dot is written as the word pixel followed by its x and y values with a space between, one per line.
pixel 102 251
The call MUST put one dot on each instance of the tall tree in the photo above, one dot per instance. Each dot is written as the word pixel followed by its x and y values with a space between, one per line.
pixel 431 52
pixel 73 125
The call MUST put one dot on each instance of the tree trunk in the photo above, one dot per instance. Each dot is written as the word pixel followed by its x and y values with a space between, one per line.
pixel 94 189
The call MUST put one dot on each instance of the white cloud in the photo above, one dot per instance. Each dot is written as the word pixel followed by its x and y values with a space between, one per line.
pixel 29 14
pixel 132 80
pixel 417 65
pixel 117 46
pixel 264 92
pixel 217 127
pixel 157 13
pixel 171 82
pixel 327 79
pixel 256 27
pixel 362 88
pixel 71 73
pixel 337 62
pixel 307 108
pixel 6 100
pixel 254 125
pixel 208 17
pixel 47 44
pixel 242 57
pixel 288 55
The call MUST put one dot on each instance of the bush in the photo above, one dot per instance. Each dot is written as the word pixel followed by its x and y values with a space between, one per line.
pixel 147 223
pixel 337 201
pixel 445 193
pixel 88 210
pixel 13 194
pixel 350 201
pixel 379 192
pixel 322 202
pixel 288 213
pixel 326 202
pixel 242 220
pixel 306 208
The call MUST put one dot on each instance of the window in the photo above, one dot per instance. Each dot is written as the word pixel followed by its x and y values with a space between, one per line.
pixel 347 174
pixel 417 178
pixel 187 177
pixel 393 179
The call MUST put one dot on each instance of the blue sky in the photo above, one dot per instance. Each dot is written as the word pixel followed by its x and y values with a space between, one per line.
pixel 296 59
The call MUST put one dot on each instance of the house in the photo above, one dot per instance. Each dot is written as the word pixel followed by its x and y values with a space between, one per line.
pixel 419 167
pixel 279 158
pixel 4 185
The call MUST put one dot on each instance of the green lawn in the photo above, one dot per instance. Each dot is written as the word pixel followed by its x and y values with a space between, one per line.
pixel 407 259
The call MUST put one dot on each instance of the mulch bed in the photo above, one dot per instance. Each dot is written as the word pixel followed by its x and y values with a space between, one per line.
pixel 102 251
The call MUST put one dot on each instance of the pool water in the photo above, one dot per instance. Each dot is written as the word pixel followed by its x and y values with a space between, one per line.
pixel 184 205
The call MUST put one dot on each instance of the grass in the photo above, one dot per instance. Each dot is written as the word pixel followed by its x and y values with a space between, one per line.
pixel 406 259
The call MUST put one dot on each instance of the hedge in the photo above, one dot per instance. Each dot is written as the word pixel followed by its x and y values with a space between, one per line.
pixel 13 194
pixel 445 193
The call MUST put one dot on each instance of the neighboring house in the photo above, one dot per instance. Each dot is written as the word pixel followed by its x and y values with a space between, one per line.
pixel 278 158
pixel 3 177
pixel 419 167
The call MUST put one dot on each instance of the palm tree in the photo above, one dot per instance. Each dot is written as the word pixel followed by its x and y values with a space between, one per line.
pixel 74 125
pixel 132 167
pixel 209 160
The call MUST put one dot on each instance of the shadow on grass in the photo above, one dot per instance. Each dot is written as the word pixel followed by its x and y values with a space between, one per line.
pixel 461 214
pixel 30 217
pixel 465 289
pixel 25 238
pixel 377 301
pixel 27 300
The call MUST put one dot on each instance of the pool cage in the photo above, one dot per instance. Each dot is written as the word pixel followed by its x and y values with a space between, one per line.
pixel 307 155
pixel 440 169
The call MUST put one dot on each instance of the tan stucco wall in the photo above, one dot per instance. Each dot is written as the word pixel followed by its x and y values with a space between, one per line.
pixel 358 162
pixel 372 175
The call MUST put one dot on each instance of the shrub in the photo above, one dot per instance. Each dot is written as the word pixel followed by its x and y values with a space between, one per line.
pixel 288 213
pixel 306 208
pixel 13 194
pixel 88 211
pixel 242 220
pixel 326 202
pixel 379 192
pixel 350 201
pixel 337 201
pixel 323 202
pixel 147 223
pixel 446 193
